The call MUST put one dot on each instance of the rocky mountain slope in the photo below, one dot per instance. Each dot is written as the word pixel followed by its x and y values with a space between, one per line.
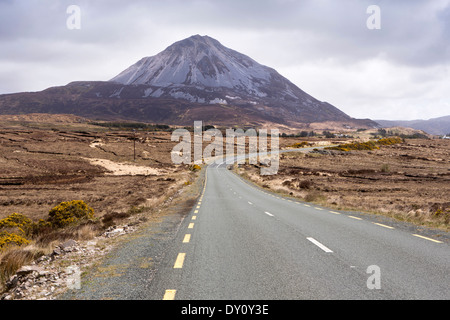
pixel 193 79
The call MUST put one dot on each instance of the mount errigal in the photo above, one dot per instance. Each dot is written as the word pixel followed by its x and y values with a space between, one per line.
pixel 197 78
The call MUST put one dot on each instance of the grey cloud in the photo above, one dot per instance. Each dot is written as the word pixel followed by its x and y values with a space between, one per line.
pixel 36 45
pixel 413 32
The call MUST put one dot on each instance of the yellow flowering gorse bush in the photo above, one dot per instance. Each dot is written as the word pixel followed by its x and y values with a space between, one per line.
pixel 10 239
pixel 67 213
pixel 16 220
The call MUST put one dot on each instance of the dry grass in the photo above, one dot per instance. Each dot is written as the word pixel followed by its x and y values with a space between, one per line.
pixel 13 258
pixel 408 181
pixel 40 167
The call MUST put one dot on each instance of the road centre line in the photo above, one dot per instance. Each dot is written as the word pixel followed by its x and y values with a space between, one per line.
pixel 179 261
pixel 187 238
pixel 249 202
pixel 268 213
pixel 321 246
pixel 169 295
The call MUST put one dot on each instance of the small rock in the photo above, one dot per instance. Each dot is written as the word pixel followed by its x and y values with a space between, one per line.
pixel 114 232
pixel 91 244
pixel 26 270
pixel 13 281
pixel 42 259
pixel 68 245
pixel 56 252
pixel 43 273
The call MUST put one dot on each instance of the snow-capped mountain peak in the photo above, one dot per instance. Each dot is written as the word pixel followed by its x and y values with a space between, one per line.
pixel 200 61
pixel 201 70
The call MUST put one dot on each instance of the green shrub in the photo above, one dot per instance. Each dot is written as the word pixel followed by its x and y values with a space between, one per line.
pixel 68 213
pixel 42 226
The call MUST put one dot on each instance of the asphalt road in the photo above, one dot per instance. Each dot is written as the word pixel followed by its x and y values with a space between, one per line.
pixel 240 242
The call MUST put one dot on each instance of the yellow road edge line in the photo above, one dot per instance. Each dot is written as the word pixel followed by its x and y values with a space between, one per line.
pixel 191 225
pixel 187 238
pixel 383 225
pixel 353 217
pixel 196 211
pixel 180 260
pixel 335 212
pixel 426 238
pixel 169 295
pixel 194 217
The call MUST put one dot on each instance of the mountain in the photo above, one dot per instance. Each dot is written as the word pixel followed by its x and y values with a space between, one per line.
pixel 437 126
pixel 193 79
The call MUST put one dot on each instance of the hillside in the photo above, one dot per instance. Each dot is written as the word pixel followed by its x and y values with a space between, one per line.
pixel 438 126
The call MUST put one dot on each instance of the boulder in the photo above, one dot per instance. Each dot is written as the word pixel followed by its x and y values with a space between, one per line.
pixel 69 245
pixel 26 270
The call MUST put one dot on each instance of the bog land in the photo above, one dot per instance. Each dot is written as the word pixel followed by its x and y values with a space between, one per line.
pixel 125 174
pixel 409 181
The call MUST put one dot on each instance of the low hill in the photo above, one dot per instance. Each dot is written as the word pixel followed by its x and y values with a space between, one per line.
pixel 437 126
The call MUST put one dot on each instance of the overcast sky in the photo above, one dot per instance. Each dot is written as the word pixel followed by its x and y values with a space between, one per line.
pixel 401 71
